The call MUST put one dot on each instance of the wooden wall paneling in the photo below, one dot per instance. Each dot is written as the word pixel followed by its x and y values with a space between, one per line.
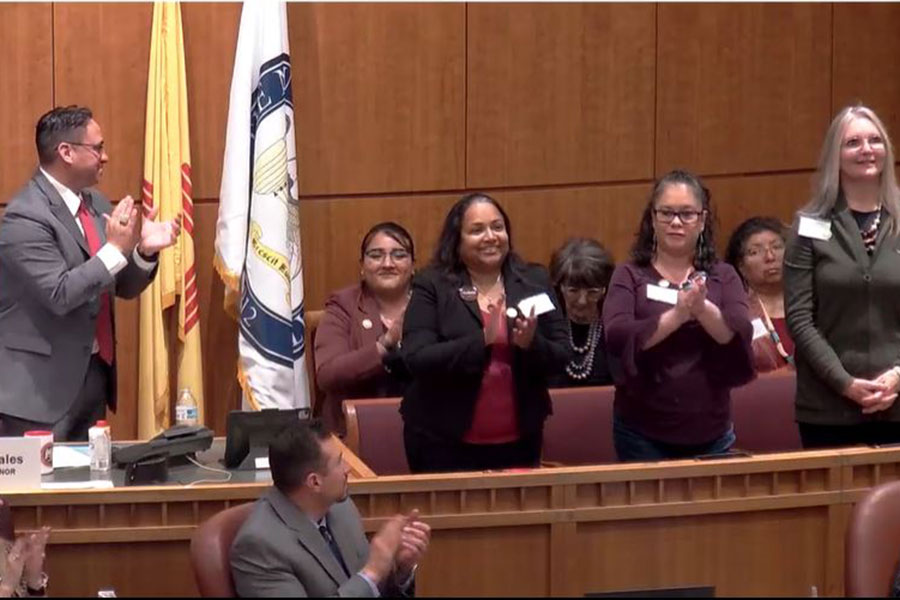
pixel 737 198
pixel 210 39
pixel 559 93
pixel 378 96
pixel 26 79
pixel 717 550
pixel 139 569
pixel 218 331
pixel 101 54
pixel 867 71
pixel 542 220
pixel 522 573
pixel 332 230
pixel 742 87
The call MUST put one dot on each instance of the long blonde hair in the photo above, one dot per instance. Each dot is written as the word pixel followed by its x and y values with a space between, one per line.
pixel 827 185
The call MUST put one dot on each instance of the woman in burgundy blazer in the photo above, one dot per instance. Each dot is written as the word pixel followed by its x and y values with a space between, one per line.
pixel 358 339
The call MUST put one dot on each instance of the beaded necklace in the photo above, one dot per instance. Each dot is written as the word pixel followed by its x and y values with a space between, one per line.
pixel 871 233
pixel 580 367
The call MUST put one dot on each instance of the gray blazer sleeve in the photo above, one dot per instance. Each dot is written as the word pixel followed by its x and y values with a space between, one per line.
pixel 132 280
pixel 29 249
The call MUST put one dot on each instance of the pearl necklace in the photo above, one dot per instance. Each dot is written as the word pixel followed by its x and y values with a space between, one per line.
pixel 579 368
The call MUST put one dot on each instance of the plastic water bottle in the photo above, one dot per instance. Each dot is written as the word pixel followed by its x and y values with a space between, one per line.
pixel 101 446
pixel 186 408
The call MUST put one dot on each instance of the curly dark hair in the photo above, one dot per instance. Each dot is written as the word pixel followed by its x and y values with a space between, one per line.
pixel 737 243
pixel 446 255
pixel 644 246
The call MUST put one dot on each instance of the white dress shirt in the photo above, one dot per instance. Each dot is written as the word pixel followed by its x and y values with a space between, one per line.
pixel 111 257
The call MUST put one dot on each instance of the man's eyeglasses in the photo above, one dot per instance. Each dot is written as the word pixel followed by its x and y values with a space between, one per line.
pixel 97 148
pixel 378 255
pixel 667 215
pixel 592 294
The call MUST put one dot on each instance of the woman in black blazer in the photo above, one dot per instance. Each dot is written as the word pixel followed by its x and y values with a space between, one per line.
pixel 479 364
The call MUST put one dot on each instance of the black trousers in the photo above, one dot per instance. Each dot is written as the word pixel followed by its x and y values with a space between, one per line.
pixel 88 408
pixel 427 453
pixel 835 436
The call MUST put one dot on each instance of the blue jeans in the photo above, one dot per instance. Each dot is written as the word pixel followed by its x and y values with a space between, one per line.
pixel 634 446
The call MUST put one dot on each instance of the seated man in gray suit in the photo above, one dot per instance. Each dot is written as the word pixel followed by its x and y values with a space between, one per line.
pixel 65 253
pixel 304 537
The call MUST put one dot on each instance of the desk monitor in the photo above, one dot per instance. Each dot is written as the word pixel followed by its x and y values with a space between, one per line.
pixel 248 433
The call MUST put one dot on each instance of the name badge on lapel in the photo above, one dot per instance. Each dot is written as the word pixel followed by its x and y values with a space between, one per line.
pixel 468 293
pixel 817 229
pixel 661 294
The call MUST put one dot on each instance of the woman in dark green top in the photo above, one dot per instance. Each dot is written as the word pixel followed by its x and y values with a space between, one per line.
pixel 842 290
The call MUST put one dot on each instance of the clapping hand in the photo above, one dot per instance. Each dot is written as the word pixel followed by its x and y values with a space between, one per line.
pixel 36 552
pixel 12 565
pixel 695 296
pixel 394 333
pixel 156 236
pixel 123 225
pixel 383 548
pixel 414 543
pixel 523 330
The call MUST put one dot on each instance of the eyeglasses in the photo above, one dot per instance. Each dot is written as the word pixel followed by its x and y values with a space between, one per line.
pixel 97 148
pixel 592 294
pixel 667 215
pixel 378 255
pixel 756 251
pixel 856 141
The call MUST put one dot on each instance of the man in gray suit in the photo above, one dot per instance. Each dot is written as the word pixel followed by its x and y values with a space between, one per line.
pixel 304 537
pixel 65 252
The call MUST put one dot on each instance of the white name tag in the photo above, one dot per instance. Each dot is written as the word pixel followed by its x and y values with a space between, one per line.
pixel 540 302
pixel 759 328
pixel 817 229
pixel 20 463
pixel 261 462
pixel 661 294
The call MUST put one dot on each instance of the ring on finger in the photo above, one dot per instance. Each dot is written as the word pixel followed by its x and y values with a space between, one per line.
pixel 123 220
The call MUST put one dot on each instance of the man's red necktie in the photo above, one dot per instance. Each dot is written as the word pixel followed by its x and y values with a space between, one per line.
pixel 104 319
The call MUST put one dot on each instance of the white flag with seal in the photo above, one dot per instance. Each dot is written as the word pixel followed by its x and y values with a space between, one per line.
pixel 258 229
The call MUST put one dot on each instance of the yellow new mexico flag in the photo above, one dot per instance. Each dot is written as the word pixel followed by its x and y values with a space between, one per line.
pixel 167 184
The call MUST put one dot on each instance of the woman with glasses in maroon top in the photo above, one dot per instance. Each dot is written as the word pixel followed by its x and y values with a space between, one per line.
pixel 358 340
pixel 678 331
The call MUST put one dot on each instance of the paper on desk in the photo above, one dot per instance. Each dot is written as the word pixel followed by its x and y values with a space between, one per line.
pixel 69 456
pixel 96 484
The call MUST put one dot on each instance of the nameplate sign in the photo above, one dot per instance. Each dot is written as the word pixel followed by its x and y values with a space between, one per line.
pixel 20 463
